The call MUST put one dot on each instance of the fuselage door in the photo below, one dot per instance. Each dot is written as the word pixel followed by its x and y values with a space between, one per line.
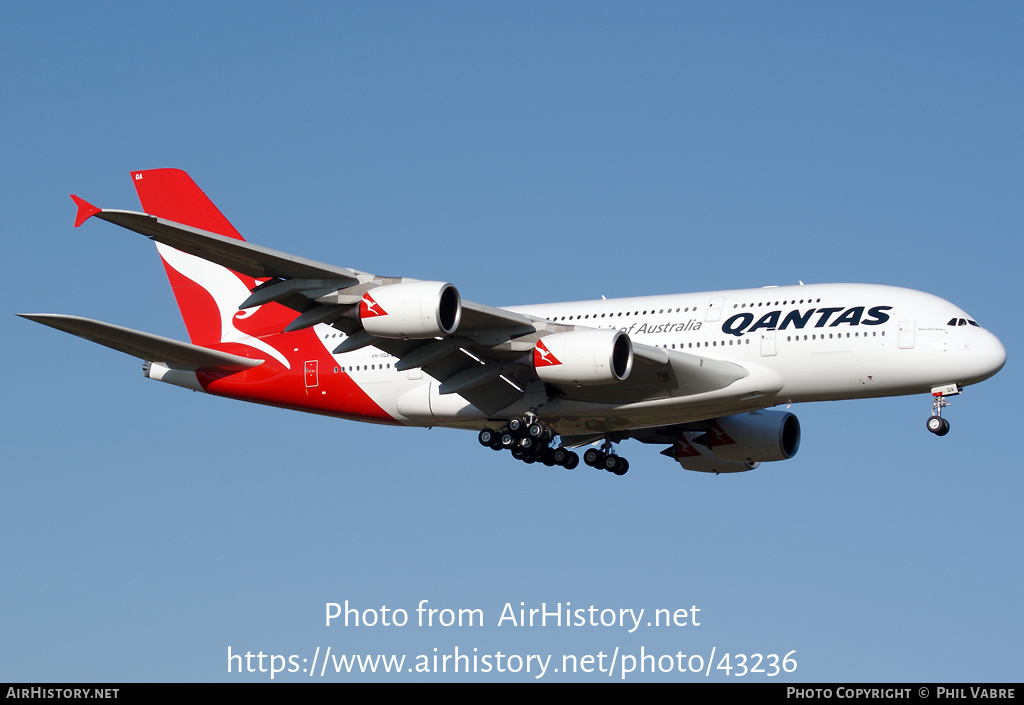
pixel 906 337
pixel 715 309
pixel 311 376
pixel 767 343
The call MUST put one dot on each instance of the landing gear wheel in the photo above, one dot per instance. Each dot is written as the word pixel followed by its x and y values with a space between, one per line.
pixel 938 425
pixel 594 458
pixel 487 437
pixel 571 461
pixel 528 445
pixel 616 465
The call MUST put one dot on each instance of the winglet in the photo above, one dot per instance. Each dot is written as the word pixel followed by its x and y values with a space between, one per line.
pixel 85 210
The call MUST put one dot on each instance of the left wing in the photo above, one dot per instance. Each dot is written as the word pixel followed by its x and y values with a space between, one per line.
pixel 238 255
pixel 483 353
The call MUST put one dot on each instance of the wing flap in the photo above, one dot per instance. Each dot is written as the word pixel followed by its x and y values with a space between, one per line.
pixel 153 348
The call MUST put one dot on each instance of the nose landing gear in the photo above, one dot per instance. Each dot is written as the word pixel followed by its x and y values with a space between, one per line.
pixel 936 424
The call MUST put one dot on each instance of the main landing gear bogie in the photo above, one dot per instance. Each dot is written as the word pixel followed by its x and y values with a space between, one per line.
pixel 605 460
pixel 529 440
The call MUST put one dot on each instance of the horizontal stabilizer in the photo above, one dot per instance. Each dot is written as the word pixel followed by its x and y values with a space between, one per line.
pixel 153 348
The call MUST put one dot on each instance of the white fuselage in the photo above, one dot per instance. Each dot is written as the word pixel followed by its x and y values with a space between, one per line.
pixel 799 343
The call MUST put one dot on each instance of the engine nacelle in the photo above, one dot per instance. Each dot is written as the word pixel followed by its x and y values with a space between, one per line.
pixel 739 443
pixel 758 436
pixel 699 458
pixel 584 357
pixel 411 310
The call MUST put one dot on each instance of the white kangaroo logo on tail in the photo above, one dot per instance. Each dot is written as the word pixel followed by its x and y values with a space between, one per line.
pixel 226 290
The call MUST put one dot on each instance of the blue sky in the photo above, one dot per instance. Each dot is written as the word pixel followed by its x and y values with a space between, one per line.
pixel 526 152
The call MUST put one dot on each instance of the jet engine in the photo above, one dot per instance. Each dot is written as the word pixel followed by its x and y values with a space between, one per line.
pixel 693 455
pixel 411 310
pixel 584 357
pixel 739 443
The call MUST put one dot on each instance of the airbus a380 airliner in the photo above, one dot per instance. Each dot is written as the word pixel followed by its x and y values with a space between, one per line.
pixel 696 373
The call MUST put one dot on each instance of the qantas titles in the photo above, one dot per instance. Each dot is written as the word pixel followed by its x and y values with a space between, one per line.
pixel 854 316
pixel 745 322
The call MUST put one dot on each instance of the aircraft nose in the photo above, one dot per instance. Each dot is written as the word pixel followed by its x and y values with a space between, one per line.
pixel 990 356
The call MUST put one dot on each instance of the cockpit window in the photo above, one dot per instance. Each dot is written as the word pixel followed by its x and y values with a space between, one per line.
pixel 973 323
pixel 962 322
